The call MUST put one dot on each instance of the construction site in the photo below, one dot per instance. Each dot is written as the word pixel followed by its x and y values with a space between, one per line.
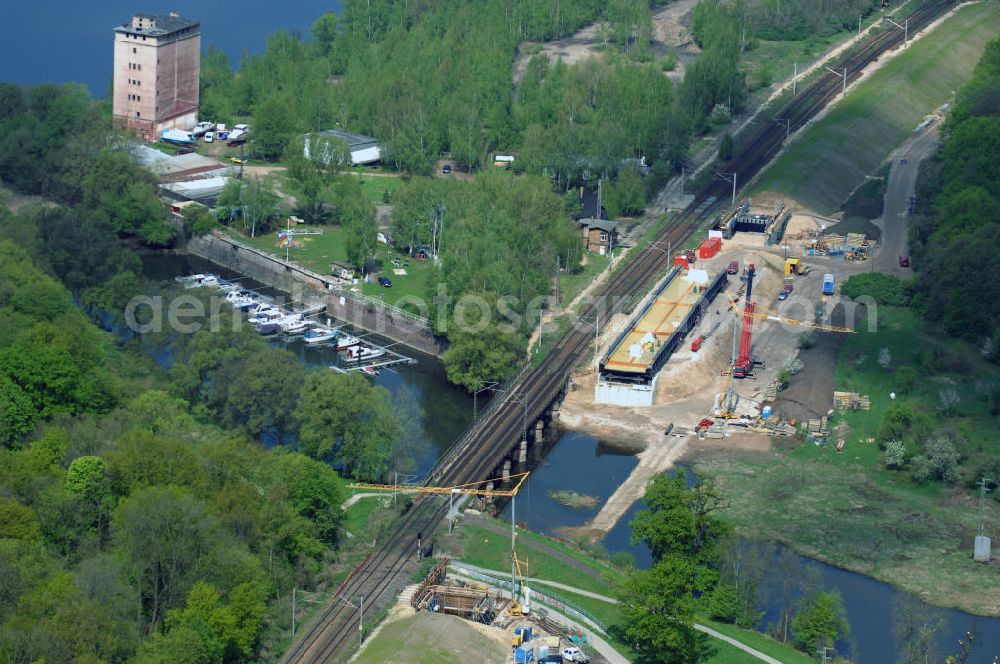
pixel 534 624
pixel 707 357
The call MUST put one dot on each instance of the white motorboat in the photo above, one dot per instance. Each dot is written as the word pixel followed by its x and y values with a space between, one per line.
pixel 362 353
pixel 267 316
pixel 199 281
pixel 228 287
pixel 241 299
pixel 346 341
pixel 319 335
pixel 294 324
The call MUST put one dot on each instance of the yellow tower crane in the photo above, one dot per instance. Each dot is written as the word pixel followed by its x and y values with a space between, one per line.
pixel 469 489
pixel 727 404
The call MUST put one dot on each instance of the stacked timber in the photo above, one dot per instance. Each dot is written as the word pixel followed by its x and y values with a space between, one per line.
pixel 851 401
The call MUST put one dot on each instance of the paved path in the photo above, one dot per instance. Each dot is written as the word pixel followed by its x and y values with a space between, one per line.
pixel 610 600
pixel 358 496
pixel 742 646
pixel 554 584
pixel 894 221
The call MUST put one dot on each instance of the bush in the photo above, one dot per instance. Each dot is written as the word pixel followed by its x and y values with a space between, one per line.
pixel 906 379
pixel 885 289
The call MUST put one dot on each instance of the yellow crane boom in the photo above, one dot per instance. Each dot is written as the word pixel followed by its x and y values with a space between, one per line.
pixel 470 488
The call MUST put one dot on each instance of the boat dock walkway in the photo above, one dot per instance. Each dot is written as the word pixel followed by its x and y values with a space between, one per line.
pixel 379 355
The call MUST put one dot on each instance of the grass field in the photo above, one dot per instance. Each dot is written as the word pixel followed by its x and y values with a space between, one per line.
pixel 431 638
pixel 317 251
pixel 832 157
pixel 761 642
pixel 847 509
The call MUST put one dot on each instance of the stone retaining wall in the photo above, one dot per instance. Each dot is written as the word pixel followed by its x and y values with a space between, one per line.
pixel 307 286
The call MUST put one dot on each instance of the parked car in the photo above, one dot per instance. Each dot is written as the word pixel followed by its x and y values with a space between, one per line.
pixel 733 268
pixel 209 136
pixel 446 169
pixel 384 282
pixel 789 288
pixel 696 344
pixel 783 295
pixel 904 261
pixel 574 654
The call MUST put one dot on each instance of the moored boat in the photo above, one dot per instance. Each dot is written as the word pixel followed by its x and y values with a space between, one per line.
pixel 319 334
pixel 362 353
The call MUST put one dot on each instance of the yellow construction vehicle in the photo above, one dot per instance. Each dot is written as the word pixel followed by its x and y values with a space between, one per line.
pixel 517 608
pixel 795 266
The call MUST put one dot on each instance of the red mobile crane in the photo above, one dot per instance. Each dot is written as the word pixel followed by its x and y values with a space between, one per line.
pixel 743 366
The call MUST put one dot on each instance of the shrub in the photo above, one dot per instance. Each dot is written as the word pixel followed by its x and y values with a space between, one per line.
pixel 885 289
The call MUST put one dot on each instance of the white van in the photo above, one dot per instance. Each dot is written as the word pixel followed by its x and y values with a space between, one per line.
pixel 209 136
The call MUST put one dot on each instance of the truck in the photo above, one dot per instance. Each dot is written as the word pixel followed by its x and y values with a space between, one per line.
pixel 177 137
pixel 795 266
pixel 828 284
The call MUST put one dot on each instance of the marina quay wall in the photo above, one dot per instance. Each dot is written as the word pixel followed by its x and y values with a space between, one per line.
pixel 308 287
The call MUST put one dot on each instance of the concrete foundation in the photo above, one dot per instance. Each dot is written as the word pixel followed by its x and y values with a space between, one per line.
pixel 981 552
pixel 625 394
pixel 522 453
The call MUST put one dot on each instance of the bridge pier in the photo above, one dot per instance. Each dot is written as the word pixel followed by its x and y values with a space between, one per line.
pixel 522 452
pixel 506 470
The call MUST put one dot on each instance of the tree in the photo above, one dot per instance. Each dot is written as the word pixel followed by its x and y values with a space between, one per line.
pixel 949 399
pixel 345 418
pixel 252 200
pixel 884 359
pixel 628 194
pixel 916 627
pixel 895 454
pixel 658 609
pixel 473 358
pixel 724 603
pixel 273 127
pixel 325 30
pixel 939 461
pixel 313 163
pixel 17 415
pixel 166 536
pixel 311 487
pixel 87 480
pixel 906 379
pixel 679 519
pixel 820 621
pixel 726 147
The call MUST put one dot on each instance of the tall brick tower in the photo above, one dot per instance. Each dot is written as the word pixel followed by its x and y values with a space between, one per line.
pixel 156 77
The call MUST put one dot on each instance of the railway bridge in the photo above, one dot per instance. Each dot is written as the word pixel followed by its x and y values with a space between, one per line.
pixel 494 440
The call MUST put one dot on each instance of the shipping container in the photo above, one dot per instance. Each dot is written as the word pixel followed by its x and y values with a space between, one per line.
pixel 709 247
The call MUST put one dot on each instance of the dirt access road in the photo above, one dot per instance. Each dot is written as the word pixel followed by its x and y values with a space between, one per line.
pixel 902 185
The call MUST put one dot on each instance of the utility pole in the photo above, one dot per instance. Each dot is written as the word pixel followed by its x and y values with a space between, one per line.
pixel 724 178
pixel 837 73
pixel 905 27
pixel 982 502
pixel 795 77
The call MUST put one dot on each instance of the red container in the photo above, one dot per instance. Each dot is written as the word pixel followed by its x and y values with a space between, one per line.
pixel 709 247
pixel 682 261
pixel 696 344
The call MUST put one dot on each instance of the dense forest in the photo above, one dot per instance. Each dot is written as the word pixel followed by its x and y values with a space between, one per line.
pixel 959 196
pixel 130 527
pixel 440 78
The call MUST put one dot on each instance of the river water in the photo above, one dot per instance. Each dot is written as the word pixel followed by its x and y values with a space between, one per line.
pixel 57 41
pixel 443 410
pixel 579 462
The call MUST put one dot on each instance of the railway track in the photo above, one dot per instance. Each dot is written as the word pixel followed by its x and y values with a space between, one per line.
pixel 483 447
